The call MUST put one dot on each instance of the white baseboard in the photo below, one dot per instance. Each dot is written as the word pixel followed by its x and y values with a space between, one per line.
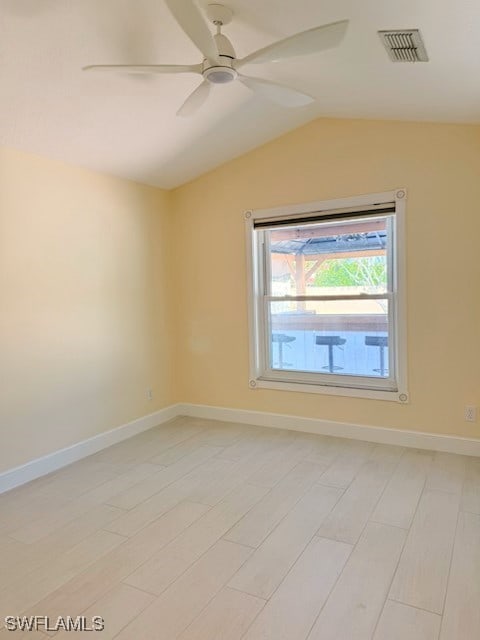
pixel 382 435
pixel 417 439
pixel 53 461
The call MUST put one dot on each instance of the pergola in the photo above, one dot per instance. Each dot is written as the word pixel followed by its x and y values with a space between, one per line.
pixel 316 244
pixel 299 245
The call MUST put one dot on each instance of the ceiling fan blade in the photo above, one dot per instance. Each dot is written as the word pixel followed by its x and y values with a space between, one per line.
pixel 195 100
pixel 278 93
pixel 311 41
pixel 146 68
pixel 190 19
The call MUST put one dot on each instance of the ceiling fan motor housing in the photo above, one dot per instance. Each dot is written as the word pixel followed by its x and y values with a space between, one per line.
pixel 224 46
pixel 221 70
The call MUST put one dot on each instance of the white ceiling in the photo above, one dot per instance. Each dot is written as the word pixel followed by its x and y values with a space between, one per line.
pixel 126 125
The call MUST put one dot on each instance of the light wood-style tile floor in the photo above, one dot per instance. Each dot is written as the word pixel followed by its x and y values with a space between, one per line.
pixel 201 530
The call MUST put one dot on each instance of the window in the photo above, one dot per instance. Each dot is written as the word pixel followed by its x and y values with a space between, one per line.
pixel 326 289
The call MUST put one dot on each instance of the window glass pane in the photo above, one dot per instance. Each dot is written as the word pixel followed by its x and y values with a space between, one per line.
pixel 342 337
pixel 329 258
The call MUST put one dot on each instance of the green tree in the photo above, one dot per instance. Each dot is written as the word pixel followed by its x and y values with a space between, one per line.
pixel 370 271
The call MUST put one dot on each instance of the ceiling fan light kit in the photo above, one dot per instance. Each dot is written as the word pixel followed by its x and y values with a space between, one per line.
pixel 220 64
pixel 220 75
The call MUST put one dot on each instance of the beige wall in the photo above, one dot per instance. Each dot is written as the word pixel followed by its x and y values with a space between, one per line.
pixel 439 165
pixel 108 287
pixel 85 324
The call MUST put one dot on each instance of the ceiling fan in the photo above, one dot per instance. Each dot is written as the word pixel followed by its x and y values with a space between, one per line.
pixel 220 64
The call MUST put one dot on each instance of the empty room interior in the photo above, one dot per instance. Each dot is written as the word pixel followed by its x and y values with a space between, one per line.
pixel 240 320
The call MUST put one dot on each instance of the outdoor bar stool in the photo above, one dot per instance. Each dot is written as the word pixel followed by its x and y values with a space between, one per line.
pixel 330 342
pixel 382 343
pixel 281 339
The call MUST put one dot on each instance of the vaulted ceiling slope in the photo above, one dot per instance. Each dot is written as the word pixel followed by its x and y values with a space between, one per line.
pixel 126 125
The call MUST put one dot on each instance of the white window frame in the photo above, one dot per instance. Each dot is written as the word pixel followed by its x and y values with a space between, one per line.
pixel 261 376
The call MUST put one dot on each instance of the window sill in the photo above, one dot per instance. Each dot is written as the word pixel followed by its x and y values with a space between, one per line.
pixel 399 396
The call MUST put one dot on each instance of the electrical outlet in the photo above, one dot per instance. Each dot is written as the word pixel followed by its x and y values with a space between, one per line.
pixel 471 414
pixel 149 394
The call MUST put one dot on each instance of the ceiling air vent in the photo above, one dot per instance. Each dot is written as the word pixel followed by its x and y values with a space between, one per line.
pixel 404 45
